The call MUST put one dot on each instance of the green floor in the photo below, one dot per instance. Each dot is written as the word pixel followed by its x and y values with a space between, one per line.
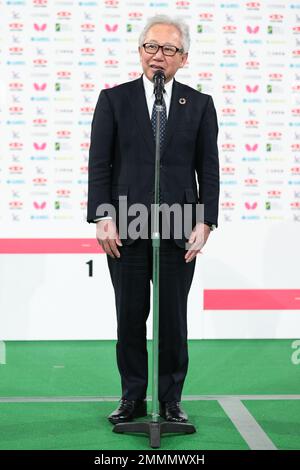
pixel 280 419
pixel 84 426
pixel 88 369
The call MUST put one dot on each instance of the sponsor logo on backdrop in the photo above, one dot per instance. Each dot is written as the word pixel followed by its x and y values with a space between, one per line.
pixel 51 94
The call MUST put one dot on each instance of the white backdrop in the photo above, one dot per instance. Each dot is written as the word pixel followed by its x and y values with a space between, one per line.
pixel 55 58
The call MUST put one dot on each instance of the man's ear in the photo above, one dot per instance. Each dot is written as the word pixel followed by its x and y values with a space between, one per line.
pixel 184 59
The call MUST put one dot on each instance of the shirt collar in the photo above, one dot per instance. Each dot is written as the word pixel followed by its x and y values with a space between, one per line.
pixel 148 86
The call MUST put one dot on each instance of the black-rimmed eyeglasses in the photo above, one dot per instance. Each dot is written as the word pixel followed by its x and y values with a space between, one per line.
pixel 152 48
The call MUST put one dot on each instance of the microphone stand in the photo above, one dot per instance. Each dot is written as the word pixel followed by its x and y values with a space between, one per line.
pixel 157 426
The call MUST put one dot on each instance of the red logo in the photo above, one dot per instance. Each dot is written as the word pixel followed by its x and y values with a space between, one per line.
pixel 228 147
pixel 251 181
pixel 87 27
pixel 15 169
pixel 229 87
pixel 15 205
pixel 64 74
pixel 63 134
pixel 39 180
pixel 253 5
pixel 111 3
pixel 135 14
pixel 276 17
pixel 87 86
pixel 64 14
pixel 229 28
pixel 206 16
pixel 252 64
pixel 63 192
pixel 16 145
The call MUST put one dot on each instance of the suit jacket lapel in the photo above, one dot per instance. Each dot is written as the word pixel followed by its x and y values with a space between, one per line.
pixel 138 101
pixel 177 113
pixel 175 116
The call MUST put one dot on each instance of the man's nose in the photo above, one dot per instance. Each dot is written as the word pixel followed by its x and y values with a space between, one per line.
pixel 159 54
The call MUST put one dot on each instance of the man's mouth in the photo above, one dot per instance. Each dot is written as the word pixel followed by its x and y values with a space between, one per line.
pixel 156 67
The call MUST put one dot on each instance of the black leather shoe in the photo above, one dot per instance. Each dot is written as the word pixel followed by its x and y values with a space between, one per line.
pixel 171 411
pixel 128 410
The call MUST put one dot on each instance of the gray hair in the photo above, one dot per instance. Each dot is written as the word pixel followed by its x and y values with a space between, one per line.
pixel 165 19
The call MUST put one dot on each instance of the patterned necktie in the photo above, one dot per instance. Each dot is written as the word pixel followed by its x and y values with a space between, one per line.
pixel 162 122
pixel 162 126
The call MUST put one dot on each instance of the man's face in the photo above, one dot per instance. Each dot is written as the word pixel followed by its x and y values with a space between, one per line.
pixel 162 34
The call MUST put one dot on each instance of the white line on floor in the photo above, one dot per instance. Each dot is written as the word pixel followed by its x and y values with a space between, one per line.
pixel 241 397
pixel 247 426
pixel 75 399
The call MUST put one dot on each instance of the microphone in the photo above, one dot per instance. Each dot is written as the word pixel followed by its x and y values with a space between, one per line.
pixel 159 83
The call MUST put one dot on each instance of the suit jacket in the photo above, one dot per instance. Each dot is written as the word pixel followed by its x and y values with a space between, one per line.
pixel 122 153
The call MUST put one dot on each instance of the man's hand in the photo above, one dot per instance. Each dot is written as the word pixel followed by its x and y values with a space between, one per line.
pixel 108 237
pixel 197 241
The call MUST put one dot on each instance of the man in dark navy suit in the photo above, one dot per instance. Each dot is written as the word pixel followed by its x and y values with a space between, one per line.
pixel 122 165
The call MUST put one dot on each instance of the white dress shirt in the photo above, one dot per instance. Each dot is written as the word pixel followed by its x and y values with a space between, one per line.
pixel 150 98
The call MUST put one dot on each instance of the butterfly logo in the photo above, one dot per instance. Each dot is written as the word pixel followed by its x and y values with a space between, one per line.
pixel 253 89
pixel 39 206
pixel 251 149
pixel 110 28
pixel 252 30
pixel 251 206
pixel 41 27
pixel 41 87
pixel 39 146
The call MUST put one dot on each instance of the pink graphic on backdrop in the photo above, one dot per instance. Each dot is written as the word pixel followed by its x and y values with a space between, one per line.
pixel 252 30
pixel 251 149
pixel 41 87
pixel 251 206
pixel 251 299
pixel 39 206
pixel 49 245
pixel 111 28
pixel 253 89
pixel 39 146
pixel 41 27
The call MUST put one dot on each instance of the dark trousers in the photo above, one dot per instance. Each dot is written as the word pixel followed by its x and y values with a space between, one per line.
pixel 131 275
